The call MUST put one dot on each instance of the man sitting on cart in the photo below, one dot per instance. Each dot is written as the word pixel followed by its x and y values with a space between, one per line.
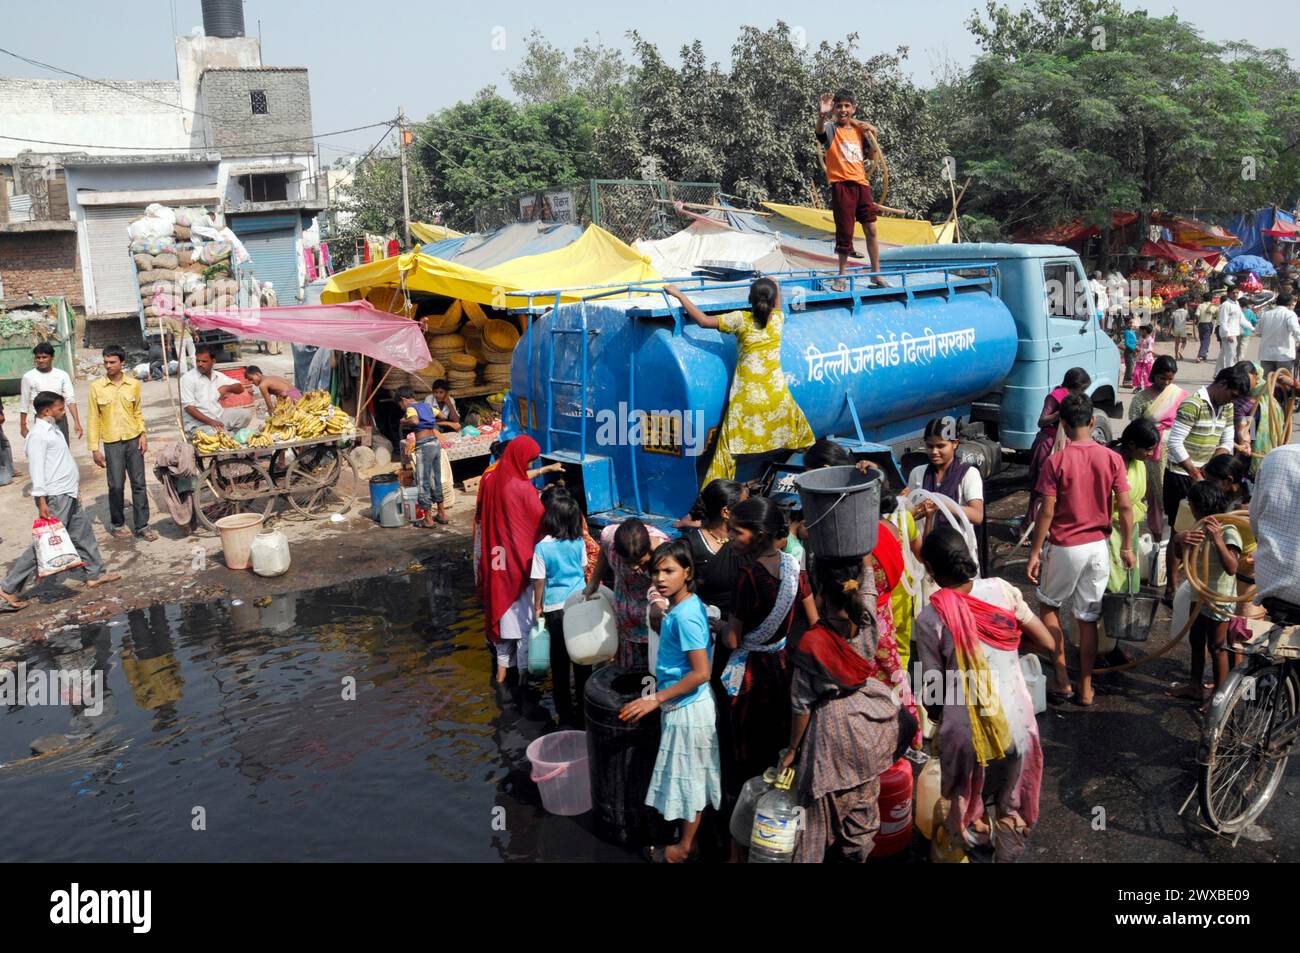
pixel 201 391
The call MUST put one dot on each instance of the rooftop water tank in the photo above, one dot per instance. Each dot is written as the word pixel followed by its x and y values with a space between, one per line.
pixel 223 18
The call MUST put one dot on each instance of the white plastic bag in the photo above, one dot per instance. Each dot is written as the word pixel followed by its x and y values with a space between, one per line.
pixel 162 213
pixel 54 550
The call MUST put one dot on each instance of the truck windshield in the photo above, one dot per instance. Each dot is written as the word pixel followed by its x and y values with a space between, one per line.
pixel 1067 292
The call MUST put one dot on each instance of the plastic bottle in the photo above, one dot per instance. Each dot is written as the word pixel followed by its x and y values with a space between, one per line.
pixel 776 824
pixel 742 816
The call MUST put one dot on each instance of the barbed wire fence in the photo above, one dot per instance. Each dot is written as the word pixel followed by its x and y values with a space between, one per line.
pixel 630 209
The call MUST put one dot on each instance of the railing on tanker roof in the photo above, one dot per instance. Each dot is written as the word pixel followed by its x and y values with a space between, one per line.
pixel 805 286
pixel 630 209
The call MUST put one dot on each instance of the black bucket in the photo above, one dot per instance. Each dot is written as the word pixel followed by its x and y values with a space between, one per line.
pixel 621 758
pixel 841 510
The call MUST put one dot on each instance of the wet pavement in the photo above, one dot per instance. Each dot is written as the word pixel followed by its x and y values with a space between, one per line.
pixel 240 711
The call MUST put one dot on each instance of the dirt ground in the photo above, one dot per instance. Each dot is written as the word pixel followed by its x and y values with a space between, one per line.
pixel 178 567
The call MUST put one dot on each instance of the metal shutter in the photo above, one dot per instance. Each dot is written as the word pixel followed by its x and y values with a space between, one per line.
pixel 274 255
pixel 112 272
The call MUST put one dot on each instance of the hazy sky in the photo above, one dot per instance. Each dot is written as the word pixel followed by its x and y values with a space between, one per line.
pixel 368 58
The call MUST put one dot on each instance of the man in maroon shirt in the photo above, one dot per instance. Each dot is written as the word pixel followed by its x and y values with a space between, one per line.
pixel 1077 485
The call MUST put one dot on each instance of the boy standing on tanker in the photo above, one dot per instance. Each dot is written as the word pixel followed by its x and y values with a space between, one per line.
pixel 847 148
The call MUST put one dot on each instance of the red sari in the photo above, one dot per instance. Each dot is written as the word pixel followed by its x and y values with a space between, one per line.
pixel 509 512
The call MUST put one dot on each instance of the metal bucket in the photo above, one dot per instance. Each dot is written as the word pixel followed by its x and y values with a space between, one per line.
pixel 1129 616
pixel 841 510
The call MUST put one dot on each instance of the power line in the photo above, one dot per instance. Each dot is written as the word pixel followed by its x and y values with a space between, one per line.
pixel 173 149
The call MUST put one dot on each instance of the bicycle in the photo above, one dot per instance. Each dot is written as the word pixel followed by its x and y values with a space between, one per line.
pixel 1252 726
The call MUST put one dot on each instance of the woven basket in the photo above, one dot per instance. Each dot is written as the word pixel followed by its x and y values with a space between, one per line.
pixel 446 342
pixel 433 371
pixel 500 335
pixel 474 311
pixel 462 362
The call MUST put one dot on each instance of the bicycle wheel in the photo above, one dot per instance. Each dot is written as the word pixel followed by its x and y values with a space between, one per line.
pixel 1237 780
pixel 233 485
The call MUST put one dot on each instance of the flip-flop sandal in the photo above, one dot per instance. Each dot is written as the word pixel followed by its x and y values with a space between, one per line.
pixel 1083 704
pixel 1060 698
pixel 6 606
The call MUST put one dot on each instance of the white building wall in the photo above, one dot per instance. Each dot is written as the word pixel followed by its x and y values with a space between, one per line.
pixel 56 111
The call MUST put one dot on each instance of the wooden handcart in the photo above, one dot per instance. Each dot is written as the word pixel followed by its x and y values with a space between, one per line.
pixel 318 479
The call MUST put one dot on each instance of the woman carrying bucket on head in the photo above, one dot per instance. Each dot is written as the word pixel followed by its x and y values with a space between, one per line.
pixel 846 727
pixel 761 414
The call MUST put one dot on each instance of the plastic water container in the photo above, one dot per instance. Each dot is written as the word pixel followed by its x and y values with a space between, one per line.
pixel 776 824
pixel 270 553
pixel 742 816
pixel 841 509
pixel 895 801
pixel 410 500
pixel 560 772
pixel 1032 668
pixel 927 797
pixel 590 629
pixel 380 486
pixel 621 759
pixel 539 648
pixel 237 534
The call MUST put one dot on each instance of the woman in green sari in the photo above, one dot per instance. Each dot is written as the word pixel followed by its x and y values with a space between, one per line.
pixel 1159 404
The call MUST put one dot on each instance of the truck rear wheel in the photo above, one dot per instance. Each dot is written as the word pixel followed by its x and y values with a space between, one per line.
pixel 1101 432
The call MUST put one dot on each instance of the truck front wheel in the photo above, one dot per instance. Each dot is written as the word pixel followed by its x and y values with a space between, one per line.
pixel 1101 432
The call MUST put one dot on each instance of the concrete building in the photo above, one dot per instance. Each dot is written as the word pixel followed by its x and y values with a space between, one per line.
pixel 230 133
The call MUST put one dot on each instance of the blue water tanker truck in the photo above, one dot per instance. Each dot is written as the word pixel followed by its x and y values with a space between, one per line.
pixel 629 394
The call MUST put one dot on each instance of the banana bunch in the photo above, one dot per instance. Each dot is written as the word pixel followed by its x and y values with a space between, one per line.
pixel 339 422
pixel 262 439
pixel 316 403
pixel 205 443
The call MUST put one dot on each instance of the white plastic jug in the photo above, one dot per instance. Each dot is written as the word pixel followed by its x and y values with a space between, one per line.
pixel 1032 668
pixel 270 554
pixel 590 629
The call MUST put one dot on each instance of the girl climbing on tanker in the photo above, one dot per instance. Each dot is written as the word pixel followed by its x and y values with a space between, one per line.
pixel 762 415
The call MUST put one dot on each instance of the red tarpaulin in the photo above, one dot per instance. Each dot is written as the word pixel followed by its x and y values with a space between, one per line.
pixel 1170 251
pixel 1073 231
pixel 356 326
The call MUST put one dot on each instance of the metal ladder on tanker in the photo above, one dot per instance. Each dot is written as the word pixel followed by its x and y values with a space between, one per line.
pixel 553 382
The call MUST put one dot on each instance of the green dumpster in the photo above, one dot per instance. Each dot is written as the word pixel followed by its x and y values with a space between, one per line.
pixel 18 336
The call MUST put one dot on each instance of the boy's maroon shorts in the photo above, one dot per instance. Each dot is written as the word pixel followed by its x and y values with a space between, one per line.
pixel 851 202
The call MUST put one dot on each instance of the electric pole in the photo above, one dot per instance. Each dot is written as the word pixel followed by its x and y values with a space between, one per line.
pixel 403 140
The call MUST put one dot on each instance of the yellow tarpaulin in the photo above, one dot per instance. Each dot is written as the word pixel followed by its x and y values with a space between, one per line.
pixel 426 234
pixel 597 258
pixel 890 231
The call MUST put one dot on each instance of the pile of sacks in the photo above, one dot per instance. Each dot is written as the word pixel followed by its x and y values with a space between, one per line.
pixel 184 259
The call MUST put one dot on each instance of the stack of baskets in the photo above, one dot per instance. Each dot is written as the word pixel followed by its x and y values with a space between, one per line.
pixel 499 340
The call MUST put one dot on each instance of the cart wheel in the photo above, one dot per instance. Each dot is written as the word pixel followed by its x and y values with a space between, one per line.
pixel 232 486
pixel 322 481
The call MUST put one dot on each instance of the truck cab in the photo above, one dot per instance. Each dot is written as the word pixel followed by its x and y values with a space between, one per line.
pixel 1046 290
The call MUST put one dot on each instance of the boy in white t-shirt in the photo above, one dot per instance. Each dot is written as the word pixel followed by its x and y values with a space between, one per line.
pixel 46 377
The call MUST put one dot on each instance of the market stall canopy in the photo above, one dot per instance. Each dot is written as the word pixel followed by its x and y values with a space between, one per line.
pixel 425 233
pixel 356 326
pixel 1171 251
pixel 889 230
pixel 597 258
pixel 1192 231
pixel 1074 231
pixel 1257 227
pixel 705 240
pixel 488 249
pixel 1242 263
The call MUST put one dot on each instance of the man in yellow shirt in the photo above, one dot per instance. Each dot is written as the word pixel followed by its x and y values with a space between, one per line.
pixel 115 418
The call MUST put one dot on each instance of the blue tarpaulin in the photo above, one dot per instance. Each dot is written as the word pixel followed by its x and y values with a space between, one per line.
pixel 1250 229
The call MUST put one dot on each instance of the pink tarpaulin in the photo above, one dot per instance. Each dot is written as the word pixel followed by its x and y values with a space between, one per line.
pixel 355 326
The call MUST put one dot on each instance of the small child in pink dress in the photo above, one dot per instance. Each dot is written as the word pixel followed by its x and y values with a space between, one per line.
pixel 1146 357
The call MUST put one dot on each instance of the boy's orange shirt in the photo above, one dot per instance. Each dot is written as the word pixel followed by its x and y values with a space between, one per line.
pixel 845 155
